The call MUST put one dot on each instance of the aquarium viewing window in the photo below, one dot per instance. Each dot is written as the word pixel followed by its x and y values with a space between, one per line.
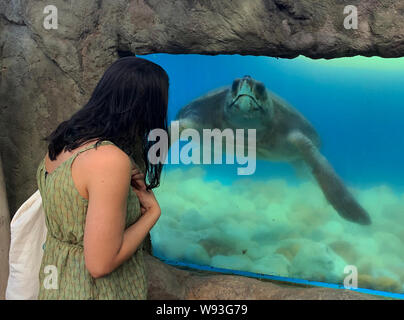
pixel 324 204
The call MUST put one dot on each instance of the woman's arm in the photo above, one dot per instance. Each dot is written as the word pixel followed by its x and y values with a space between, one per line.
pixel 106 242
pixel 134 236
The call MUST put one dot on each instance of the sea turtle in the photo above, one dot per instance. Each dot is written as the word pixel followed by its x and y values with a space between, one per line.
pixel 282 134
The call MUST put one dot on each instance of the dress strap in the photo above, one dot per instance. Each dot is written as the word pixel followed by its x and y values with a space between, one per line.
pixel 92 146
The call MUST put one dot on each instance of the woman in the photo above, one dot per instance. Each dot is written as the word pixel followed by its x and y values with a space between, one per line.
pixel 98 205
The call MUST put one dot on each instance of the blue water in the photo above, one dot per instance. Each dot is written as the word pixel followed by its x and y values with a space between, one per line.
pixel 211 213
pixel 358 113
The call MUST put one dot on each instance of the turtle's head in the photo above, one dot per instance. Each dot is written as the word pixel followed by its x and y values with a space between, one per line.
pixel 248 103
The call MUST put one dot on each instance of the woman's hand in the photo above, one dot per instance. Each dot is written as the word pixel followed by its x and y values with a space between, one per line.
pixel 147 199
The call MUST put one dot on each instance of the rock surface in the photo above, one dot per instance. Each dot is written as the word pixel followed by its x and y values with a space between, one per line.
pixel 168 282
pixel 4 235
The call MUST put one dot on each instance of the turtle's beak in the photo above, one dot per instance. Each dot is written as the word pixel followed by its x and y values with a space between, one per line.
pixel 245 99
pixel 246 103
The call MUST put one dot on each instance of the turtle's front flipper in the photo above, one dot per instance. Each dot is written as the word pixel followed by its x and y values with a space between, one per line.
pixel 333 188
pixel 176 127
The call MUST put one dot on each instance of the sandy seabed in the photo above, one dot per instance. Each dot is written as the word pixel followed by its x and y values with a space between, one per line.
pixel 278 228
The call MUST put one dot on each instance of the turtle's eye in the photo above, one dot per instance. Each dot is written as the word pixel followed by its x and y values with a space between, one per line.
pixel 234 87
pixel 260 89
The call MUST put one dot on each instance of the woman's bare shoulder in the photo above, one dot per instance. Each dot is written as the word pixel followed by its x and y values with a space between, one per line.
pixel 105 167
pixel 105 157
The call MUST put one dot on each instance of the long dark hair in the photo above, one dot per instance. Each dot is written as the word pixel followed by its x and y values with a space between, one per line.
pixel 128 102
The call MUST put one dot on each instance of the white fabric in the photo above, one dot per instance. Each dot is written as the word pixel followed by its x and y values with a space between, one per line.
pixel 28 234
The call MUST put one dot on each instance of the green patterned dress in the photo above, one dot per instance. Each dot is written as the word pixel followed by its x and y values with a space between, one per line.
pixel 65 211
